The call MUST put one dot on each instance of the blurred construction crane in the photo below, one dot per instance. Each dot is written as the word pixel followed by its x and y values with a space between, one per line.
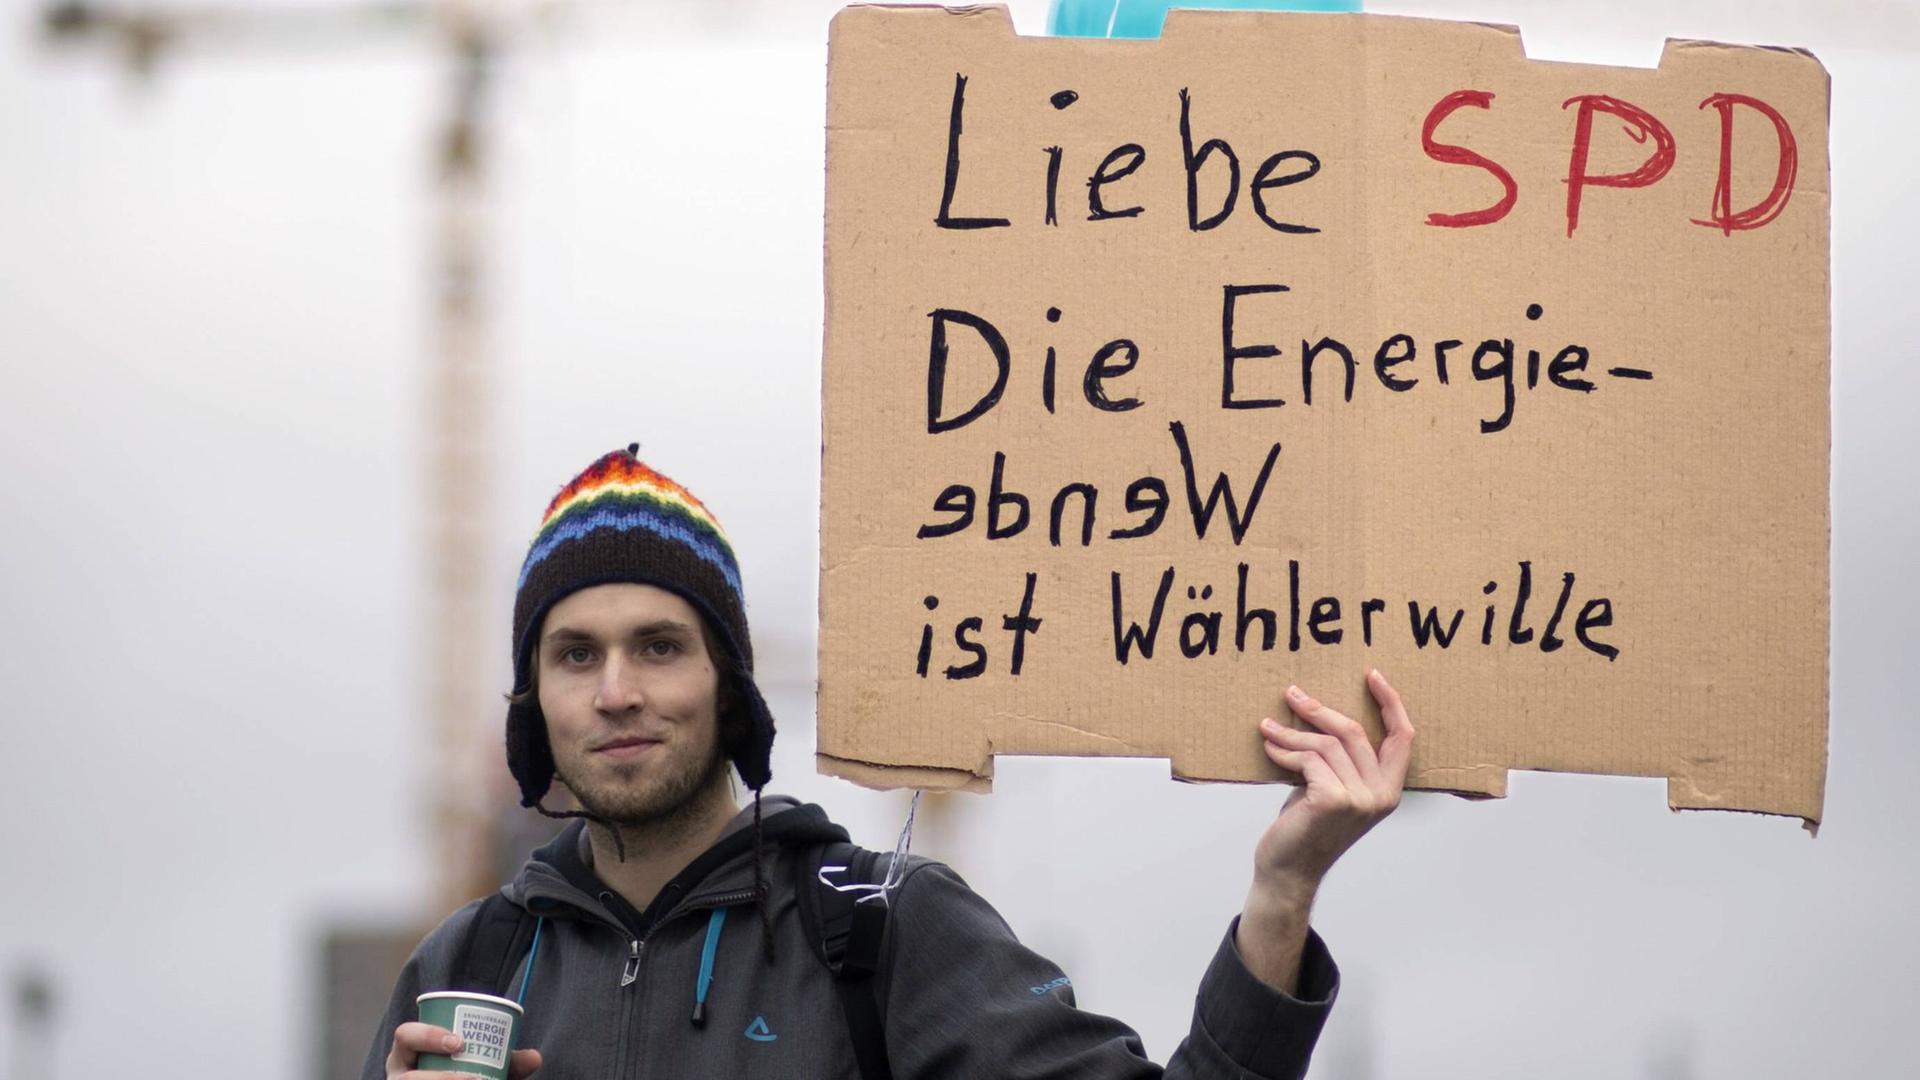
pixel 456 470
pixel 478 837
pixel 463 777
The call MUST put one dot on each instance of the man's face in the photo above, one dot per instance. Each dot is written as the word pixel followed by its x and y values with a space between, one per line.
pixel 630 696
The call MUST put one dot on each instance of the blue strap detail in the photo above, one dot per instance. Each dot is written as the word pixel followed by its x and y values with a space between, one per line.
pixel 714 923
pixel 532 953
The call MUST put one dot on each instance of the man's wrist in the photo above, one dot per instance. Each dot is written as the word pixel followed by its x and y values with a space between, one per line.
pixel 1283 890
pixel 1273 928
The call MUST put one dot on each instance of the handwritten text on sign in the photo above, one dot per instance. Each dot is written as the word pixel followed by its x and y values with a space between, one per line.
pixel 1514 313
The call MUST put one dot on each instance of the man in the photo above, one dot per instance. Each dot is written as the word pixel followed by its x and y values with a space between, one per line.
pixel 669 939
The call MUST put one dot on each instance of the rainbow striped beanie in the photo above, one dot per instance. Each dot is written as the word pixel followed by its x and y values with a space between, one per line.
pixel 620 521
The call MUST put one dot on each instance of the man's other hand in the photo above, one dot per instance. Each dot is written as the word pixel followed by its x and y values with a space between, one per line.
pixel 412 1039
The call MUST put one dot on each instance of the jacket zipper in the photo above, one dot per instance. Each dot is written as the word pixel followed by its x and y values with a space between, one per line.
pixel 632 971
pixel 726 899
pixel 628 976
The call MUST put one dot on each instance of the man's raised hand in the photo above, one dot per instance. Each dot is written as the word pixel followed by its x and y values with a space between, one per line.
pixel 1349 788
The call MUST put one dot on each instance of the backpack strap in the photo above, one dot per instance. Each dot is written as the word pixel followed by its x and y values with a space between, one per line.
pixel 496 940
pixel 846 937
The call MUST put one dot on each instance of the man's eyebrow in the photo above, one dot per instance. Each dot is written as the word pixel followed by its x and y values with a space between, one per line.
pixel 646 629
pixel 661 626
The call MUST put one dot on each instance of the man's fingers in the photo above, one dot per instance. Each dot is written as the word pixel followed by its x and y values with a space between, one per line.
pixel 1324 746
pixel 1351 735
pixel 1305 762
pixel 425 1038
pixel 413 1038
pixel 1397 749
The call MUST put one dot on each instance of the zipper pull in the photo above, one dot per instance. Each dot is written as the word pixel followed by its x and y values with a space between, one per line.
pixel 633 965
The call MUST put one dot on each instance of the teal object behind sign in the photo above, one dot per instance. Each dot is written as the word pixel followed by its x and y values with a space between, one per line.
pixel 1143 18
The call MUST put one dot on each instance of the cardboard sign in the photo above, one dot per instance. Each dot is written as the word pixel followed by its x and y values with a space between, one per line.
pixel 1162 374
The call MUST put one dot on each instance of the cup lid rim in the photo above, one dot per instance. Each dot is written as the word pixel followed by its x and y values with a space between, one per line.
pixel 472 996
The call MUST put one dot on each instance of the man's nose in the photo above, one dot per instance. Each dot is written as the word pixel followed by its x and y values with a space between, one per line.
pixel 619 690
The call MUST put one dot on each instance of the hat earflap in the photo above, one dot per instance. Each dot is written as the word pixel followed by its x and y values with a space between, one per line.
pixel 529 755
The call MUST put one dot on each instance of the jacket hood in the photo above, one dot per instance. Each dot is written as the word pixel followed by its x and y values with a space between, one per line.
pixel 548 883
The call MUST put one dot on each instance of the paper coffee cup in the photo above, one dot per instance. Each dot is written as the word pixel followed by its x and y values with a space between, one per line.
pixel 488 1026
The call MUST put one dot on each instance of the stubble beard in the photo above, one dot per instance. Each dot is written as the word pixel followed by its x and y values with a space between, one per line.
pixel 665 809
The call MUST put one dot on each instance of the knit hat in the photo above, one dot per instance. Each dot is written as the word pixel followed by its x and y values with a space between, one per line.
pixel 620 521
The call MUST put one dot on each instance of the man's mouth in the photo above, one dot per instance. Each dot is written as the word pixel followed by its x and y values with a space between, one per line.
pixel 626 748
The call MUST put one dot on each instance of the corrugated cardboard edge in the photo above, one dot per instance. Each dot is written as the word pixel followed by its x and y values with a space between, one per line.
pixel 869 774
pixel 1432 788
pixel 1671 49
pixel 894 777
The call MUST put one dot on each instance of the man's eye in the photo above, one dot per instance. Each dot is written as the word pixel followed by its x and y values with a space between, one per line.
pixel 662 647
pixel 579 654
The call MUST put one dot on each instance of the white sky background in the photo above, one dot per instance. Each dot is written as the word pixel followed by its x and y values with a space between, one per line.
pixel 213 320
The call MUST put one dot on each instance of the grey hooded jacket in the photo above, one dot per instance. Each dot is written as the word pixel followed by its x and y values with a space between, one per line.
pixel 611 996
